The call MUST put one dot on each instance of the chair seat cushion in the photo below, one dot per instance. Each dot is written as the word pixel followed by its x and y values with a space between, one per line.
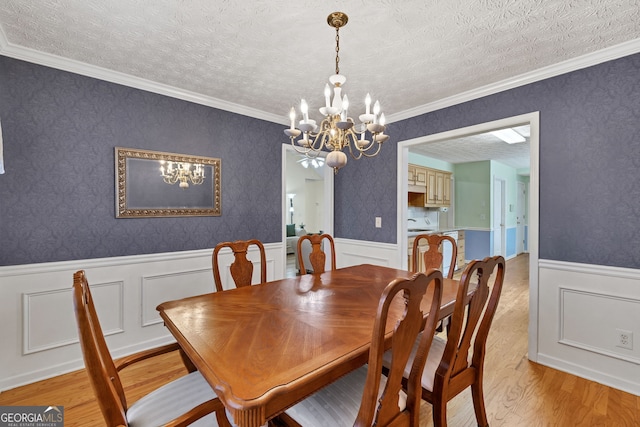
pixel 338 403
pixel 172 400
pixel 433 360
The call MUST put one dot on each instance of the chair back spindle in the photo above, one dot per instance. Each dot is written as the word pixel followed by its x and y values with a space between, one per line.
pixel 241 268
pixel 433 257
pixel 317 257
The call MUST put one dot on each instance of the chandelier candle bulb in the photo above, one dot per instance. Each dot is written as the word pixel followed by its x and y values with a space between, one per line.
pixel 327 95
pixel 304 108
pixel 345 107
pixel 292 116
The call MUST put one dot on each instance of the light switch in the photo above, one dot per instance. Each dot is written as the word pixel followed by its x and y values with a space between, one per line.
pixel 378 222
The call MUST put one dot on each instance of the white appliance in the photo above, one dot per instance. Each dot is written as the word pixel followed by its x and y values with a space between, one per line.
pixel 446 252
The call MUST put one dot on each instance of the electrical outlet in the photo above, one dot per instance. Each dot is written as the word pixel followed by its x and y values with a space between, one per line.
pixel 625 339
pixel 378 222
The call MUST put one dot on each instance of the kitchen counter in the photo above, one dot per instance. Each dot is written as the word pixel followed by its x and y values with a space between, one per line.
pixel 431 231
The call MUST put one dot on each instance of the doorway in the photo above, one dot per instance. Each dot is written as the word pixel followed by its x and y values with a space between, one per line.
pixel 307 200
pixel 531 119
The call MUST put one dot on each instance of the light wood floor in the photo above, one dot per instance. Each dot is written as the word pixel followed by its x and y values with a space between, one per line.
pixel 517 391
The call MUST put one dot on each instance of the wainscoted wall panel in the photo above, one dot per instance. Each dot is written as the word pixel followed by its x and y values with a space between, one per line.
pixel 58 192
pixel 158 288
pixel 591 320
pixel 582 307
pixel 39 332
pixel 589 158
pixel 353 252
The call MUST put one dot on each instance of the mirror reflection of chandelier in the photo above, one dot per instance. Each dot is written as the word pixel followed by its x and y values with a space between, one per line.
pixel 313 162
pixel 183 172
pixel 337 130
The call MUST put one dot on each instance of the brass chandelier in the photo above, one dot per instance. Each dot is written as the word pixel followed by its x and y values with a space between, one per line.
pixel 337 130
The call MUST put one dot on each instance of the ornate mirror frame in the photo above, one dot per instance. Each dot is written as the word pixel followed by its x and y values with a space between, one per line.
pixel 143 190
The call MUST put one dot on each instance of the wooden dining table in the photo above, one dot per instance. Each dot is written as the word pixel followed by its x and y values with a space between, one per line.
pixel 263 348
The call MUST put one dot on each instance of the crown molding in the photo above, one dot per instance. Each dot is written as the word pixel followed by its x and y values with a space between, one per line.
pixel 614 52
pixel 31 55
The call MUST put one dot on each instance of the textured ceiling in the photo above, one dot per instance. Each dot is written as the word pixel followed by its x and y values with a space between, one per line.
pixel 480 147
pixel 267 55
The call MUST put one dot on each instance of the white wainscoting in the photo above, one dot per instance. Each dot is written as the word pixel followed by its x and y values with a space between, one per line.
pixel 39 332
pixel 580 308
pixel 353 252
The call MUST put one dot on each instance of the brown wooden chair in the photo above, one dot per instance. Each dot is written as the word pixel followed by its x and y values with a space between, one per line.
pixel 458 363
pixel 382 400
pixel 178 403
pixel 241 268
pixel 433 257
pixel 317 257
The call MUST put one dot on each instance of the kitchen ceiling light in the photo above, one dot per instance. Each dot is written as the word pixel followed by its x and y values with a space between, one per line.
pixel 509 136
pixel 337 130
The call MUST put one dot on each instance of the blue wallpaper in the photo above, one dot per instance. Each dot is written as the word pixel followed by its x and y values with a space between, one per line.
pixel 57 198
pixel 589 164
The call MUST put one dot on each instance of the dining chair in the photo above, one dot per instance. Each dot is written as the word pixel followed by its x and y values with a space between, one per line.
pixel 433 257
pixel 382 399
pixel 317 257
pixel 458 362
pixel 241 268
pixel 189 399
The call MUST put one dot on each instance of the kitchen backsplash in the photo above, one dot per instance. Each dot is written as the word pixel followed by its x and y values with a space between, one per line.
pixel 423 218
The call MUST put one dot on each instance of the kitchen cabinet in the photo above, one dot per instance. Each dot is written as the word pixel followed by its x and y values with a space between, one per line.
pixel 460 263
pixel 422 248
pixel 438 188
pixel 417 176
pixel 417 185
pixel 428 187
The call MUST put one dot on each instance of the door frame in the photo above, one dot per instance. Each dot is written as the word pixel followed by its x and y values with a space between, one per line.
pixel 533 120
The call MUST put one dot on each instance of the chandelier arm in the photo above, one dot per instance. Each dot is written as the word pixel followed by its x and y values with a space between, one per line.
pixel 305 150
pixel 352 142
pixel 363 150
pixel 366 154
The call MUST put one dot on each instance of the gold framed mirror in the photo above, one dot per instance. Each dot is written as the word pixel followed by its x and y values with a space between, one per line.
pixel 159 184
